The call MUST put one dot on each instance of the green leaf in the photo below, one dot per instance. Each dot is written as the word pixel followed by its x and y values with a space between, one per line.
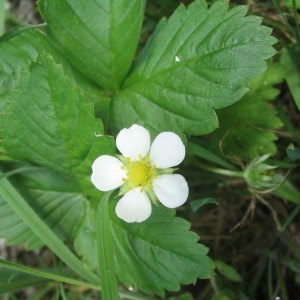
pixel 293 153
pixel 98 37
pixel 199 203
pixel 197 61
pixel 2 15
pixel 159 254
pixel 228 271
pixel 21 50
pixel 48 123
pixel 247 127
pixel 56 199
pixel 287 191
pixel 289 3
pixel 42 230
pixel 156 255
pixel 15 58
pixel 290 59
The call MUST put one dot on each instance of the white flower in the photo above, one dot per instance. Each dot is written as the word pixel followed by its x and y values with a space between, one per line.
pixel 143 171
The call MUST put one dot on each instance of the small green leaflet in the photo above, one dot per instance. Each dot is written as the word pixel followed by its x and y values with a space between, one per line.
pixel 197 61
pixel 228 271
pixel 153 256
pixel 98 37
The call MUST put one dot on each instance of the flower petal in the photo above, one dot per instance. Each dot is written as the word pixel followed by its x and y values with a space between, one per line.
pixel 134 206
pixel 167 150
pixel 133 142
pixel 171 189
pixel 107 173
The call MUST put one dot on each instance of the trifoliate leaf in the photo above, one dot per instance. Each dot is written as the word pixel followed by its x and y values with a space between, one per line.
pixel 197 61
pixel 153 256
pixel 56 199
pixel 98 37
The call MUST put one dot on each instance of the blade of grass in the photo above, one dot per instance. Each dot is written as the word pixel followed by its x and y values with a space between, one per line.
pixel 62 293
pixel 270 280
pixel 43 276
pixel 46 275
pixel 284 18
pixel 106 263
pixel 17 30
pixel 2 16
pixel 7 287
pixel 258 278
pixel 41 229
pixel 201 152
pixel 291 217
pixel 289 58
pixel 288 192
pixel 41 293
pixel 296 17
pixel 284 295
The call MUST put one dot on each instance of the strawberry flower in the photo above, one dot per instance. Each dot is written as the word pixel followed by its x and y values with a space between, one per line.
pixel 144 172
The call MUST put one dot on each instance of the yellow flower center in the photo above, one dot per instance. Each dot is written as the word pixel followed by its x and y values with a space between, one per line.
pixel 140 173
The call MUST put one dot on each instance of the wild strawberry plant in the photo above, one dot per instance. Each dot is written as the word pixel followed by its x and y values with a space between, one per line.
pixel 79 88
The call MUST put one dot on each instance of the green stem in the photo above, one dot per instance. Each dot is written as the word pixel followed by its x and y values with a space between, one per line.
pixel 225 172
pixel 106 263
pixel 41 229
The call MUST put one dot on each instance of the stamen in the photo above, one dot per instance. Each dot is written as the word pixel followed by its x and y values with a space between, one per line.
pixel 140 173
